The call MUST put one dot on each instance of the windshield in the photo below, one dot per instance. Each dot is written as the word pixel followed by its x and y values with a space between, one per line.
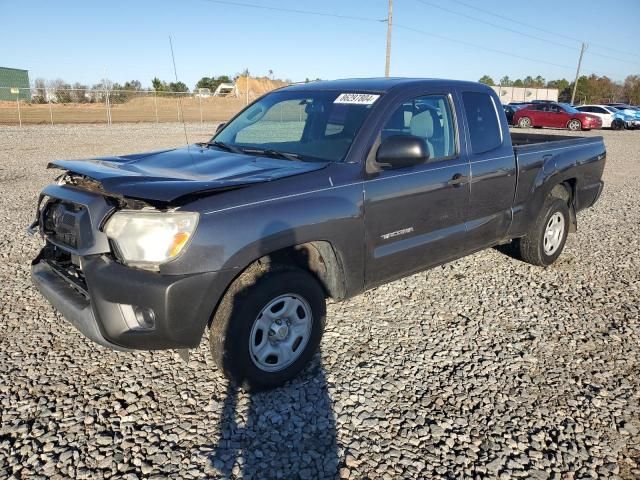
pixel 568 108
pixel 314 126
pixel 611 109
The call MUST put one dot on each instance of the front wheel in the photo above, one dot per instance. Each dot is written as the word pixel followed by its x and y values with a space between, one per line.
pixel 546 238
pixel 268 326
pixel 524 122
pixel 574 125
pixel 617 124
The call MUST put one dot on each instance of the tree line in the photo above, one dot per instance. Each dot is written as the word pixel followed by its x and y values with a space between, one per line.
pixel 64 92
pixel 591 89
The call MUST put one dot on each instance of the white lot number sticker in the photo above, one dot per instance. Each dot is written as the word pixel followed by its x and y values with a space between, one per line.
pixel 356 98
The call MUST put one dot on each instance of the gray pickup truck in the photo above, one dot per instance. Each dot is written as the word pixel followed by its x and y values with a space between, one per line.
pixel 319 190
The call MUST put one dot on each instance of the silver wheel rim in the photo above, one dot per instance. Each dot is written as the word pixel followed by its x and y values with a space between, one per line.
pixel 280 333
pixel 554 233
pixel 574 125
pixel 525 122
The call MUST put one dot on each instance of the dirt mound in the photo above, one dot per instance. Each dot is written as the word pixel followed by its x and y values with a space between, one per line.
pixel 257 86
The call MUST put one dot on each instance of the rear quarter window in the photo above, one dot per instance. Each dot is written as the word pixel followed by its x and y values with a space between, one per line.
pixel 482 118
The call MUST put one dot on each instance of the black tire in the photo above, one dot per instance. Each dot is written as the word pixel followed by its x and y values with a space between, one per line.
pixel 617 124
pixel 531 248
pixel 232 324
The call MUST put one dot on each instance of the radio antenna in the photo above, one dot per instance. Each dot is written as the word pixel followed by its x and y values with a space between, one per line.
pixel 175 71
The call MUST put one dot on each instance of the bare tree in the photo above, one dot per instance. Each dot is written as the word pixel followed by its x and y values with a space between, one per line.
pixel 40 91
pixel 631 89
pixel 60 90
pixel 79 93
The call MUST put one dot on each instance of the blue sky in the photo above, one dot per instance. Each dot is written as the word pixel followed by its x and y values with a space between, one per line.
pixel 80 41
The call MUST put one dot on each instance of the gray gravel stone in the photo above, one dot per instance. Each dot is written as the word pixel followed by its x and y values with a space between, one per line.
pixel 483 368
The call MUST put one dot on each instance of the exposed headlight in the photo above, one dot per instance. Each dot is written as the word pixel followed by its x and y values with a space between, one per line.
pixel 148 239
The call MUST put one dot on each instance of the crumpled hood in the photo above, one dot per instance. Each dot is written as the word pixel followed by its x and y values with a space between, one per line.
pixel 167 175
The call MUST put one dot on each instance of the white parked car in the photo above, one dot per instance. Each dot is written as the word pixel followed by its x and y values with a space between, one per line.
pixel 606 113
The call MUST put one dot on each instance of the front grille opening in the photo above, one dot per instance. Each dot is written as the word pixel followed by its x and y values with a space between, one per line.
pixel 61 221
pixel 66 266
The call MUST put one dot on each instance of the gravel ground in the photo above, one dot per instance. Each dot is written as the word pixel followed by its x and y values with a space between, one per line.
pixel 483 368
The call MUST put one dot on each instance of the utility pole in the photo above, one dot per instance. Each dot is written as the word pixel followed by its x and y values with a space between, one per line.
pixel 575 83
pixel 247 92
pixel 389 27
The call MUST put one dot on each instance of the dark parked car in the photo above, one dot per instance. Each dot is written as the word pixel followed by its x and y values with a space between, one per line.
pixel 510 110
pixel 317 190
pixel 557 115
pixel 620 106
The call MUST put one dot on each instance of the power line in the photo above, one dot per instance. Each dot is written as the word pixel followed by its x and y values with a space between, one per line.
pixel 296 10
pixel 473 45
pixel 519 22
pixel 416 30
pixel 513 30
pixel 495 25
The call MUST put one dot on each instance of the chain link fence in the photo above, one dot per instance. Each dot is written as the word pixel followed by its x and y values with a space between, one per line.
pixel 27 106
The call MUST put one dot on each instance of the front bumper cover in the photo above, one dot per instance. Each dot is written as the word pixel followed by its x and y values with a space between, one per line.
pixel 182 304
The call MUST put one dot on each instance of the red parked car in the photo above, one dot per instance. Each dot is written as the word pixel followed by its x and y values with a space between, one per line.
pixel 557 115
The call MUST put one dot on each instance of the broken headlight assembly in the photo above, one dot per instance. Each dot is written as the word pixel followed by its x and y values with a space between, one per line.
pixel 147 239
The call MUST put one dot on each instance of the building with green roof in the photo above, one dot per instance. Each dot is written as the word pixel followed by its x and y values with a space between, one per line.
pixel 12 78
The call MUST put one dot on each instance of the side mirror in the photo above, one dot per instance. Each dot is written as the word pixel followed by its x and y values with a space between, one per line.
pixel 401 151
pixel 220 127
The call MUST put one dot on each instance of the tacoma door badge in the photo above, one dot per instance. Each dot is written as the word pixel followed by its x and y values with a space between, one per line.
pixel 397 233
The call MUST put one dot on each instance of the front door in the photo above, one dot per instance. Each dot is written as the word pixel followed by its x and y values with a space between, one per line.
pixel 559 116
pixel 415 216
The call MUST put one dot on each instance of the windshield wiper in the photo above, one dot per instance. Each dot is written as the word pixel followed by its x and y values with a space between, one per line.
pixel 224 146
pixel 273 153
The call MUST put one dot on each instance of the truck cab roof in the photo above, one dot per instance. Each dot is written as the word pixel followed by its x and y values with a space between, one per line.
pixel 378 84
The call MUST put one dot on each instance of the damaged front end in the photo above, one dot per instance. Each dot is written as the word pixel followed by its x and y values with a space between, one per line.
pixel 101 281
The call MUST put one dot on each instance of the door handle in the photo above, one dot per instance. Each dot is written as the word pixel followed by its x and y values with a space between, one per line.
pixel 457 180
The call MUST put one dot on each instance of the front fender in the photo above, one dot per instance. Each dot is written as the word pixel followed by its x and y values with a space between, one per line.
pixel 236 230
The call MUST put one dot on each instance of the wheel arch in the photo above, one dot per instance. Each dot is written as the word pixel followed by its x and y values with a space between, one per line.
pixel 566 190
pixel 319 258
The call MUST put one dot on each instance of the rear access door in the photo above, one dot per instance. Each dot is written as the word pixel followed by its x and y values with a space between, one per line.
pixel 415 216
pixel 493 169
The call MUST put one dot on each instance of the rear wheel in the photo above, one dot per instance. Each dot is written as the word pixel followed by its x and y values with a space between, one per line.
pixel 268 326
pixel 574 124
pixel 545 240
pixel 524 122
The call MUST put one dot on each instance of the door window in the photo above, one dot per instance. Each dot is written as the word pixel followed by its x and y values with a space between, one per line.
pixel 429 117
pixel 482 117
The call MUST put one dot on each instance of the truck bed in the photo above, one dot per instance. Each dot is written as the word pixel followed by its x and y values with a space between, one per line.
pixel 526 139
pixel 577 160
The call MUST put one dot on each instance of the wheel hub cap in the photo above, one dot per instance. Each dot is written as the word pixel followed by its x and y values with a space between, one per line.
pixel 280 333
pixel 553 233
